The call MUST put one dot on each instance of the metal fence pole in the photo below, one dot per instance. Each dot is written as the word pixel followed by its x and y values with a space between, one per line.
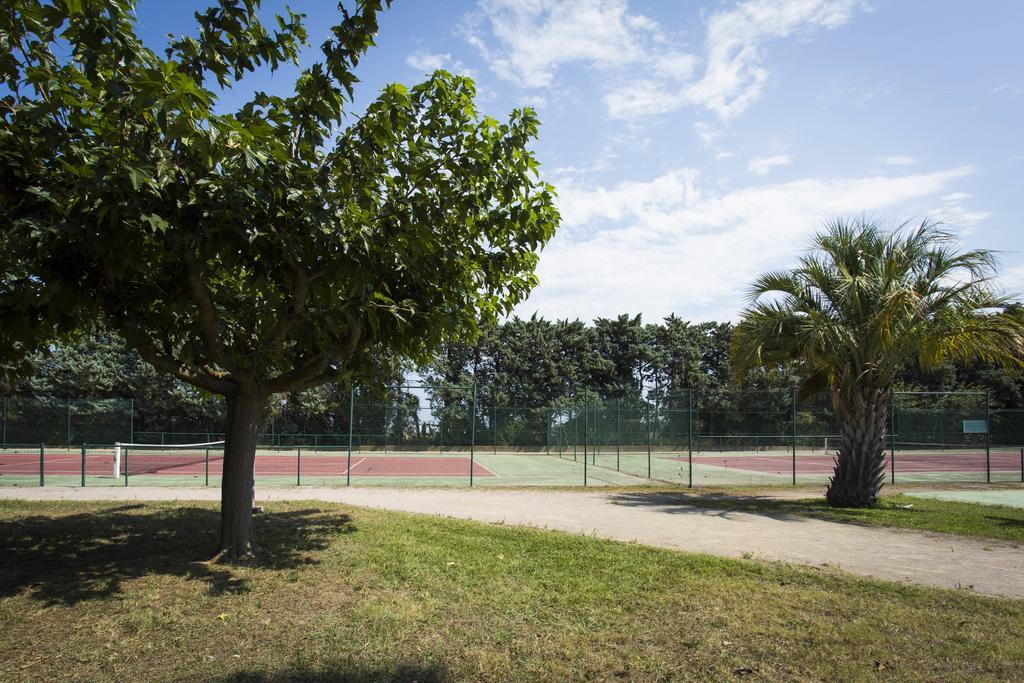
pixel 988 442
pixel 794 436
pixel 207 468
pixel 69 424
pixel 586 436
pixel 131 420
pixel 472 434
pixel 892 437
pixel 385 429
pixel 494 426
pixel 5 422
pixel 42 463
pixel 351 415
pixel 618 432
pixel 647 421
pixel 124 459
pixel 1022 464
pixel 298 466
pixel 83 465
pixel 689 433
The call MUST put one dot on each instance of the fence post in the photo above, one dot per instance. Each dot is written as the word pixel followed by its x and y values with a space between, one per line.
pixel 42 463
pixel 5 422
pixel 385 429
pixel 298 465
pixel 988 442
pixel 83 465
pixel 618 432
pixel 472 434
pixel 351 417
pixel 794 436
pixel 124 459
pixel 586 436
pixel 892 436
pixel 69 423
pixel 1022 464
pixel 494 424
pixel 547 433
pixel 207 483
pixel 647 420
pixel 131 419
pixel 584 456
pixel 689 433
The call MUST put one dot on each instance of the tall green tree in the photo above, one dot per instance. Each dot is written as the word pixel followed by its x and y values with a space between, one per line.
pixel 261 251
pixel 859 306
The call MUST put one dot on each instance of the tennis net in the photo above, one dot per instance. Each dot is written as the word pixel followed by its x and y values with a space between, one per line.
pixel 137 458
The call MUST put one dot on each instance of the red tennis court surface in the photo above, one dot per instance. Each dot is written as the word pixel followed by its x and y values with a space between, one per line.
pixel 907 462
pixel 282 464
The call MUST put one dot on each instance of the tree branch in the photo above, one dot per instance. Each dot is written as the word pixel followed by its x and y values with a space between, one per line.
pixel 207 314
pixel 129 329
pixel 293 307
pixel 319 365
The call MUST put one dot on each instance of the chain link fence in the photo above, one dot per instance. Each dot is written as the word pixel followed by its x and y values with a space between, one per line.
pixel 447 436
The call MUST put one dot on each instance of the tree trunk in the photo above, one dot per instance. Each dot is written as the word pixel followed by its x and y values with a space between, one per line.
pixel 245 417
pixel 860 463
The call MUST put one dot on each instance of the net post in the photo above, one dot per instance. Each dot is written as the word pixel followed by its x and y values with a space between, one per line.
pixel 988 442
pixel 83 465
pixel 351 415
pixel 42 463
pixel 472 432
pixel 892 436
pixel 207 468
pixel 794 435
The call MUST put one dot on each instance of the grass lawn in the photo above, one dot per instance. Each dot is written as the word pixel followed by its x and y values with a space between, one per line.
pixel 102 591
pixel 896 510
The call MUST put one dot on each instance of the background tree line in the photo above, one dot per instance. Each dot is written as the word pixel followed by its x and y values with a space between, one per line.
pixel 524 363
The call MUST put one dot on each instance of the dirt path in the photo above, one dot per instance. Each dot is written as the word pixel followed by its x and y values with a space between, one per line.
pixel 992 567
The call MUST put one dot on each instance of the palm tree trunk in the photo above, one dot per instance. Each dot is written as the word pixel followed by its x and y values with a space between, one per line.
pixel 860 463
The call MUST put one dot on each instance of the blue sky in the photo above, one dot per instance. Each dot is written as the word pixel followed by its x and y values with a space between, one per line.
pixel 697 144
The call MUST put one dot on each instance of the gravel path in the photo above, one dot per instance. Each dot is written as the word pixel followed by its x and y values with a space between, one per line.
pixel 986 566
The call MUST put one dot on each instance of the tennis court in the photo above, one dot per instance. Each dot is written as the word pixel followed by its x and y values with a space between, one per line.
pixel 203 466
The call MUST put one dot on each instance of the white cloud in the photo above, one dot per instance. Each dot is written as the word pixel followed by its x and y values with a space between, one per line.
pixel 670 245
pixel 733 76
pixel 537 36
pixel 428 62
pixel 764 165
pixel 898 160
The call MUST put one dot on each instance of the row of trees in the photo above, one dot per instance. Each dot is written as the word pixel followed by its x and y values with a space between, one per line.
pixel 528 362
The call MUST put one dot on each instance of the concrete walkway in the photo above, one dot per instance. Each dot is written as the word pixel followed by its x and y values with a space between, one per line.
pixel 930 559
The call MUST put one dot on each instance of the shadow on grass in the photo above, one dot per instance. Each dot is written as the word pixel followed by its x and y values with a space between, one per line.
pixel 71 558
pixel 347 673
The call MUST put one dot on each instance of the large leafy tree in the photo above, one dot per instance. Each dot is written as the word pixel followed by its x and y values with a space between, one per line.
pixel 255 252
pixel 860 305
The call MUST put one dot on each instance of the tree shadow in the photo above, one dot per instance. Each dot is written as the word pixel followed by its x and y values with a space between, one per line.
pixel 347 673
pixel 1007 521
pixel 67 559
pixel 715 504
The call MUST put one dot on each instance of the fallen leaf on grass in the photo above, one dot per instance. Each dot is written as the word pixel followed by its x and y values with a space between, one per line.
pixel 222 616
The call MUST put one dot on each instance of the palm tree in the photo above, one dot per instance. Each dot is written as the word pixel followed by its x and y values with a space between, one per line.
pixel 863 302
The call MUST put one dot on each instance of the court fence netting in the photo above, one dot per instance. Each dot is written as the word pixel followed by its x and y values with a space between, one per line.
pixel 446 435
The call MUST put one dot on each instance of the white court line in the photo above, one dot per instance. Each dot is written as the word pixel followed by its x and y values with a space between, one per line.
pixel 353 466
